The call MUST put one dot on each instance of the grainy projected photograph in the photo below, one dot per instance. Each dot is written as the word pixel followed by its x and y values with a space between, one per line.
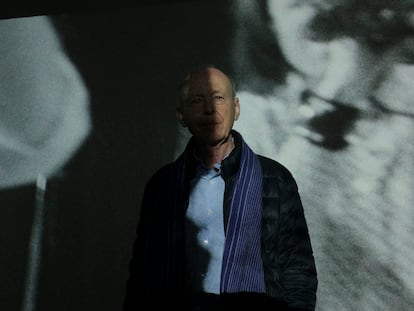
pixel 208 155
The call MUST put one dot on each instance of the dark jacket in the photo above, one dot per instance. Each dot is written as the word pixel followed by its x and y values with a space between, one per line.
pixel 158 262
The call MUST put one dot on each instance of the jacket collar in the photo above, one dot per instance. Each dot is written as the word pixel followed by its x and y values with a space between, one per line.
pixel 229 165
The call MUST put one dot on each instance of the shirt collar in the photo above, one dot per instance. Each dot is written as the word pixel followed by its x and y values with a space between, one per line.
pixel 229 165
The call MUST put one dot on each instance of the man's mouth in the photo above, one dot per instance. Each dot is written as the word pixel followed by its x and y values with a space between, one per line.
pixel 210 123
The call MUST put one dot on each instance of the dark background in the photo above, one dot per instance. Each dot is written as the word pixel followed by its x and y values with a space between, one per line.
pixel 131 59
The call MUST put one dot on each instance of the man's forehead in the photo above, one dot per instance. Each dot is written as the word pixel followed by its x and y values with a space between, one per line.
pixel 207 86
pixel 208 78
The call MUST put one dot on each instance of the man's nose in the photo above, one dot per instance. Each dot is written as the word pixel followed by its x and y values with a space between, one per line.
pixel 209 106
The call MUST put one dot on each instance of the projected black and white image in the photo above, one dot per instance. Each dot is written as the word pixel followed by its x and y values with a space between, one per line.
pixel 87 114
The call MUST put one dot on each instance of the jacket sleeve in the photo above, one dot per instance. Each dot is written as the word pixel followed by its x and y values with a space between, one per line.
pixel 146 261
pixel 150 283
pixel 290 269
pixel 136 282
pixel 298 271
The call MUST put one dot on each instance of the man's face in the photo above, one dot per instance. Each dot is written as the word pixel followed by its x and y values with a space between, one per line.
pixel 209 108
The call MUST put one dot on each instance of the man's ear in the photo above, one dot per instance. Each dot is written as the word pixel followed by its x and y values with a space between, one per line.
pixel 236 108
pixel 180 117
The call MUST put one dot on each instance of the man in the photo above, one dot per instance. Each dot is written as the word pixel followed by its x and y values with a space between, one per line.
pixel 220 226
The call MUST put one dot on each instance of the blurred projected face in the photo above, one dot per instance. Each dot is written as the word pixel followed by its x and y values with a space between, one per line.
pixel 342 68
pixel 290 24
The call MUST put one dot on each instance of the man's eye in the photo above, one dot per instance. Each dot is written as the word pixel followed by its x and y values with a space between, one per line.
pixel 218 98
pixel 196 100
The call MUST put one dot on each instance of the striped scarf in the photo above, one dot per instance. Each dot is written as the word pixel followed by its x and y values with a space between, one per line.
pixel 242 268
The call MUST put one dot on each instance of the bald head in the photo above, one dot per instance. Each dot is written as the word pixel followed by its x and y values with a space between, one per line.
pixel 203 74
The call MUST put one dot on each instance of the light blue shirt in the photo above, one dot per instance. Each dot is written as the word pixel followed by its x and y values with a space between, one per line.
pixel 205 230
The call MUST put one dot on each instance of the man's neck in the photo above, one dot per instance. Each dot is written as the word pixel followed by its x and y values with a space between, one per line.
pixel 211 155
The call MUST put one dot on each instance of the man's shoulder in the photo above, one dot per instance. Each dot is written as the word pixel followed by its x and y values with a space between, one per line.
pixel 272 165
pixel 163 171
pixel 274 169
